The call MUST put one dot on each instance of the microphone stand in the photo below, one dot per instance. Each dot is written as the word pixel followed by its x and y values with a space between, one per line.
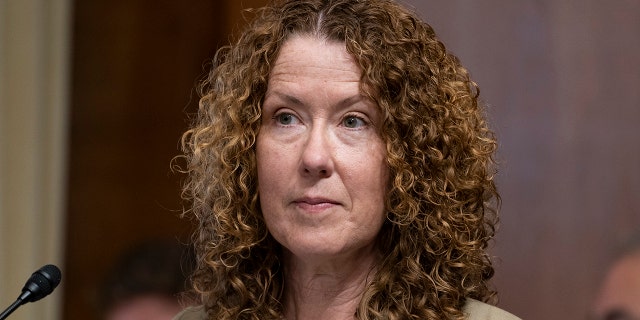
pixel 10 309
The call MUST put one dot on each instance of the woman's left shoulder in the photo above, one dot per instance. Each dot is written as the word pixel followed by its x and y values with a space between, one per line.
pixel 192 313
pixel 476 310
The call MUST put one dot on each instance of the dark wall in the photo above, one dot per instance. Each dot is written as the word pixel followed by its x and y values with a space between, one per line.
pixel 561 79
pixel 135 64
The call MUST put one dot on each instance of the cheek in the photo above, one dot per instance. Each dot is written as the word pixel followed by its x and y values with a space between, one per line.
pixel 372 170
pixel 368 180
pixel 262 161
pixel 271 172
pixel 380 180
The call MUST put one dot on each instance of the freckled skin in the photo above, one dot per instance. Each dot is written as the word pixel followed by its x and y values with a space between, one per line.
pixel 321 164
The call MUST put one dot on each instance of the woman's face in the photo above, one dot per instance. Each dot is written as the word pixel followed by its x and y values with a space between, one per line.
pixel 322 169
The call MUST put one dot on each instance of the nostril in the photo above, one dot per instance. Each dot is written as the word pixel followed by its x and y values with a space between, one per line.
pixel 322 173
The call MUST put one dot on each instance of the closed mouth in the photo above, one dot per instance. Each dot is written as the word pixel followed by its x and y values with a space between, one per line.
pixel 314 201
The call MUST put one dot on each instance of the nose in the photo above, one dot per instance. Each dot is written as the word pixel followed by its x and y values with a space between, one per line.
pixel 317 154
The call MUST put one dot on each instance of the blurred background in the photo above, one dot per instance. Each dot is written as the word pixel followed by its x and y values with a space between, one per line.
pixel 94 96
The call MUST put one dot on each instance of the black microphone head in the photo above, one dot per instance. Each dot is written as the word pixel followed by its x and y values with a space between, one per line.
pixel 41 283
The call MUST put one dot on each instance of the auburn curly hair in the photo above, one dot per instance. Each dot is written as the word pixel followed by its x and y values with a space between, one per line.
pixel 442 203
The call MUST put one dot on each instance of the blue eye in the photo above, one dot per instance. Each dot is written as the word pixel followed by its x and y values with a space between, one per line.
pixel 285 118
pixel 353 122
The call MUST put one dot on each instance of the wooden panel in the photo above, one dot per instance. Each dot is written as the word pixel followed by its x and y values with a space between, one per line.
pixel 135 64
pixel 561 79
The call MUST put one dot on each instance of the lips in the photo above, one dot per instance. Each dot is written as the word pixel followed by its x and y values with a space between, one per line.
pixel 315 204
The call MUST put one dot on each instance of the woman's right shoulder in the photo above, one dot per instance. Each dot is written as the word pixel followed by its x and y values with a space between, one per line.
pixel 192 313
pixel 477 310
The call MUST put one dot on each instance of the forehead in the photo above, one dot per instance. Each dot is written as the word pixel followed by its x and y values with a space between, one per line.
pixel 307 55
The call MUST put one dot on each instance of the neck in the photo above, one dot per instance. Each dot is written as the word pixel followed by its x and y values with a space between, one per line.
pixel 326 288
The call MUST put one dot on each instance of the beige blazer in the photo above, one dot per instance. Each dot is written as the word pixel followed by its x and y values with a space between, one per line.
pixel 477 310
pixel 474 309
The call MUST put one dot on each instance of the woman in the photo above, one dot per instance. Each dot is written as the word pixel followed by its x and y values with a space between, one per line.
pixel 341 168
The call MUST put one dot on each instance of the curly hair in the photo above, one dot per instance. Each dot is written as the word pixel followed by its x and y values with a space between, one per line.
pixel 442 203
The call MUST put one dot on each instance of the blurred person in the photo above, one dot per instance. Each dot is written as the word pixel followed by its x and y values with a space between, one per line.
pixel 341 167
pixel 146 282
pixel 619 295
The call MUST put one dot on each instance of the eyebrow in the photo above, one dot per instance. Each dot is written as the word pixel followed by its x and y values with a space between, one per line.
pixel 294 100
pixel 288 98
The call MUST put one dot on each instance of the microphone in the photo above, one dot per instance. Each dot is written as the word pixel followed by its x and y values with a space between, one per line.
pixel 40 284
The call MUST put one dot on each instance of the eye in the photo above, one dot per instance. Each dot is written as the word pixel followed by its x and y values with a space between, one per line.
pixel 285 118
pixel 353 122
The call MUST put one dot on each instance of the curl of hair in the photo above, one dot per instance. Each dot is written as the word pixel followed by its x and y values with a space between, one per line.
pixel 442 201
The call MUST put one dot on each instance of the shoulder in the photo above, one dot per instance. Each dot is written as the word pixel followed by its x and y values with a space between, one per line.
pixel 192 313
pixel 477 310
